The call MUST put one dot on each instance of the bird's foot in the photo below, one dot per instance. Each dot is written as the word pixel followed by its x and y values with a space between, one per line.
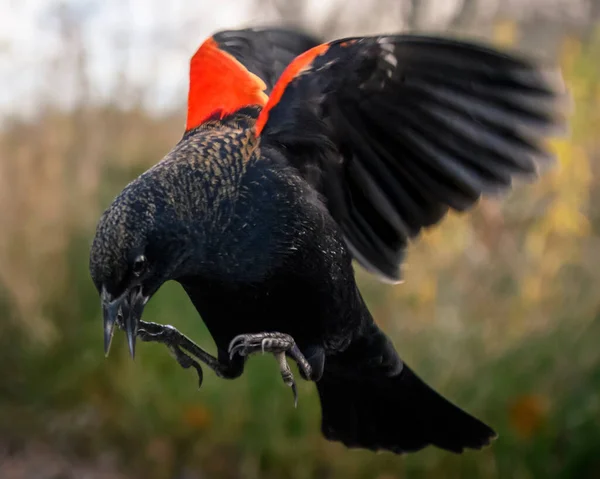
pixel 183 348
pixel 278 344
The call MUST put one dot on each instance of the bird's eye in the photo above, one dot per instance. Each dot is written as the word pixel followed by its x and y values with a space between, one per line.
pixel 139 265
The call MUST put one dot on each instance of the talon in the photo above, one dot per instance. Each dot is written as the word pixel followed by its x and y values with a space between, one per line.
pixel 186 352
pixel 187 362
pixel 295 393
pixel 277 344
pixel 236 345
pixel 236 349
pixel 238 338
pixel 287 375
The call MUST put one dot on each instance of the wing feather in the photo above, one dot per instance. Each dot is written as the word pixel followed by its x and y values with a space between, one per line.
pixel 405 127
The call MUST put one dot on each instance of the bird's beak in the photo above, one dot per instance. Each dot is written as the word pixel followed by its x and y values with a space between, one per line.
pixel 124 311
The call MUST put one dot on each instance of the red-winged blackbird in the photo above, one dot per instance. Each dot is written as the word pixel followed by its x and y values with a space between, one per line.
pixel 290 167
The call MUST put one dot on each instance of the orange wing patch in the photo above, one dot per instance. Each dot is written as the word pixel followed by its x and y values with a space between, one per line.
pixel 300 63
pixel 220 84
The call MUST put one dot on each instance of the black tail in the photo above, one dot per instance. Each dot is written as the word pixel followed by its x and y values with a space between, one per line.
pixel 371 400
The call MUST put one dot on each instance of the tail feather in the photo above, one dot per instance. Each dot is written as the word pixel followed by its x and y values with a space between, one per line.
pixel 385 405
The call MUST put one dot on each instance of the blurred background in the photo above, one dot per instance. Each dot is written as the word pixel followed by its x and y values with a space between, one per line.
pixel 500 310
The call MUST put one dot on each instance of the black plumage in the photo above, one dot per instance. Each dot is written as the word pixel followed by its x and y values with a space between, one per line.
pixel 258 214
pixel 418 125
pixel 266 52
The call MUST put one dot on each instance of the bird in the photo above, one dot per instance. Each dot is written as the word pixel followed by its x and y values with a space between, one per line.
pixel 301 159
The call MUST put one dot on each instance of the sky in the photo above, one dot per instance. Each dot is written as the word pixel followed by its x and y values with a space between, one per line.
pixel 149 42
pixel 139 37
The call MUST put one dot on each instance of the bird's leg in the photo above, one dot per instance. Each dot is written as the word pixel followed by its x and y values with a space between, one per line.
pixel 278 344
pixel 180 345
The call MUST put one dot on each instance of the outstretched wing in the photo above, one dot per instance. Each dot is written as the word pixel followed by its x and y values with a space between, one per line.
pixel 235 69
pixel 395 130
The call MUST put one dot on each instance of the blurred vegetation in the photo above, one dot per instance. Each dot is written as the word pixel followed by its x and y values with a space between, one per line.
pixel 500 311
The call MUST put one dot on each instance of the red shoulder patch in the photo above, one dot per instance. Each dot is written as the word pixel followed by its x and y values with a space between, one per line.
pixel 300 63
pixel 219 84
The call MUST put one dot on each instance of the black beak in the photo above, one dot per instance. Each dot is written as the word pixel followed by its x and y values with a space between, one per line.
pixel 124 311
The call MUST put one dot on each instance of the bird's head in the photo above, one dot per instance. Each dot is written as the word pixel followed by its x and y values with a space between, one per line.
pixel 137 247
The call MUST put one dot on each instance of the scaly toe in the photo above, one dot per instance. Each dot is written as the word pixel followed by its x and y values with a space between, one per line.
pixel 266 344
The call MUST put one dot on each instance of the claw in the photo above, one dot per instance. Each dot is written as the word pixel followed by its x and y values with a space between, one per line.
pixel 277 344
pixel 185 350
pixel 235 345
pixel 295 393
pixel 233 351
pixel 236 348
pixel 287 376
pixel 187 362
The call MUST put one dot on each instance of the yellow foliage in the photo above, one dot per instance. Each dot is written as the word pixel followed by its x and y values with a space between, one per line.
pixel 506 33
pixel 428 290
pixel 563 219
pixel 570 52
pixel 447 240
pixel 535 244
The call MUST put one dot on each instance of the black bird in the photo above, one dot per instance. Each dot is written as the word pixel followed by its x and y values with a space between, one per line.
pixel 290 167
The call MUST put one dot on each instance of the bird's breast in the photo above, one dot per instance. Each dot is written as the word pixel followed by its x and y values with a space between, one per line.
pixel 267 223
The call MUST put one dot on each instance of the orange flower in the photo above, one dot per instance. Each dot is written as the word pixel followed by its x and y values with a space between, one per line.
pixel 527 414
pixel 197 416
